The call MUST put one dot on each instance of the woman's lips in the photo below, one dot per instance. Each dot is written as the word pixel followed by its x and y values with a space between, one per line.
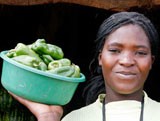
pixel 126 75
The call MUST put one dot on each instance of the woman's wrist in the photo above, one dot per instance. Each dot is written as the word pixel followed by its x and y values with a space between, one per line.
pixel 51 116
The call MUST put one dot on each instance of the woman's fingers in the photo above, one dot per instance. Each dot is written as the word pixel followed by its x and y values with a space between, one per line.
pixel 21 100
pixel 39 109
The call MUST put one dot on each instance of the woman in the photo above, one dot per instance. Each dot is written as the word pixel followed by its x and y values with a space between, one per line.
pixel 127 44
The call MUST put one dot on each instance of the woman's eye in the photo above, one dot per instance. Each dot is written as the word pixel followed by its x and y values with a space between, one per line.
pixel 141 53
pixel 114 50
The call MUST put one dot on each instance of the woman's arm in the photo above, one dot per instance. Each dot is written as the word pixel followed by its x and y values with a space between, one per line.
pixel 41 111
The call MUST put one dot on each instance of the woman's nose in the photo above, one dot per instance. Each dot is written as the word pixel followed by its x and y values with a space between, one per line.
pixel 127 59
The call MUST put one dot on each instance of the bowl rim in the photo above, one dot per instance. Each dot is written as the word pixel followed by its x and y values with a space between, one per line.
pixel 34 70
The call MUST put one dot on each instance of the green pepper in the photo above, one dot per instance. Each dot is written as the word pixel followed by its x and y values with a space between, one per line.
pixel 22 49
pixel 76 71
pixel 54 64
pixel 27 60
pixel 69 71
pixel 42 66
pixel 47 59
pixel 58 63
pixel 63 71
pixel 41 47
pixel 30 61
pixel 11 53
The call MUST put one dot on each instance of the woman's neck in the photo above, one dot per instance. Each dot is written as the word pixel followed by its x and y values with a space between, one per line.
pixel 113 96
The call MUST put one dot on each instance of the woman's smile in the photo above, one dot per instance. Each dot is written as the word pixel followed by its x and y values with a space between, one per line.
pixel 125 75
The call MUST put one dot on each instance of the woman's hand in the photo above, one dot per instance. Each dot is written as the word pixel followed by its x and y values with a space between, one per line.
pixel 41 111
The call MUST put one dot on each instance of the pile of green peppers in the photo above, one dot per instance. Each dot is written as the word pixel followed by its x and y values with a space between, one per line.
pixel 44 56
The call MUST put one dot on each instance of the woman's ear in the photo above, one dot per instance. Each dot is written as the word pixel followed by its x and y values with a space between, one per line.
pixel 153 59
pixel 99 58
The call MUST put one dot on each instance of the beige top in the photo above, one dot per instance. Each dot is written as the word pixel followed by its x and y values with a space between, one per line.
pixel 128 110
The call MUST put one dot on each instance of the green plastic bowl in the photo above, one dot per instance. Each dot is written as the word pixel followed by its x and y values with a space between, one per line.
pixel 37 85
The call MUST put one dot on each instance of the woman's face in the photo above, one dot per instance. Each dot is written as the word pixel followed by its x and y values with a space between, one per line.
pixel 126 59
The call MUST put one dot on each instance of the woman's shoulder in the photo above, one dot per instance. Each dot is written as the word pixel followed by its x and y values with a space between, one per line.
pixel 86 113
pixel 150 102
pixel 152 110
pixel 152 107
pixel 153 104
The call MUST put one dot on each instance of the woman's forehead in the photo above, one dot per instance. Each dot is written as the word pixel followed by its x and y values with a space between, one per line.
pixel 129 34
